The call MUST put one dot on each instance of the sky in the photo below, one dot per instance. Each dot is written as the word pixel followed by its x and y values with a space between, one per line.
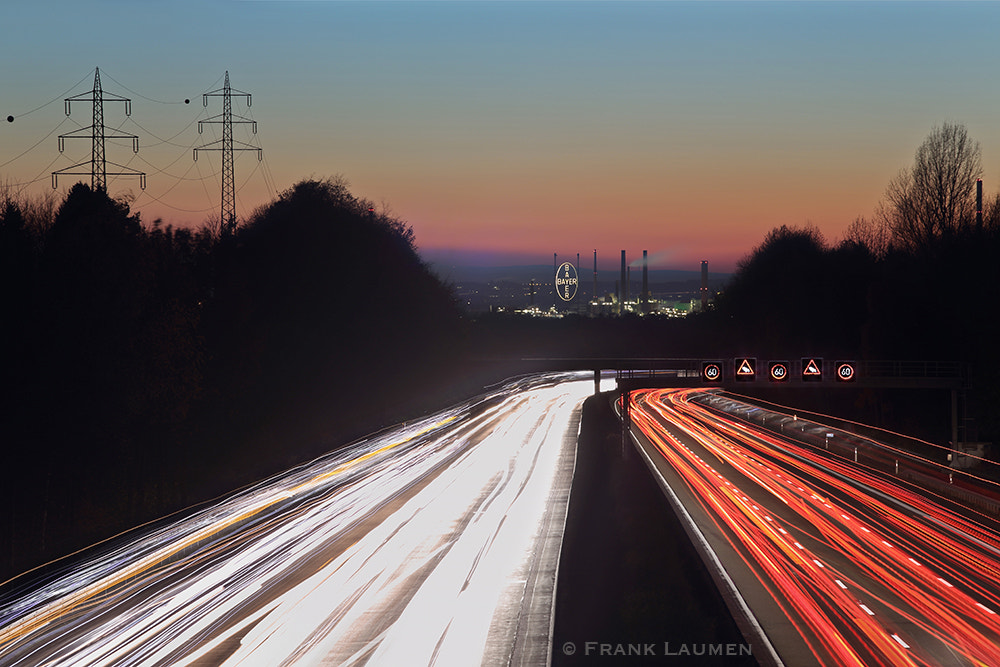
pixel 504 132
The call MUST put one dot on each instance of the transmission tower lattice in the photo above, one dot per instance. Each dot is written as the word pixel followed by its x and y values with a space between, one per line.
pixel 97 134
pixel 226 145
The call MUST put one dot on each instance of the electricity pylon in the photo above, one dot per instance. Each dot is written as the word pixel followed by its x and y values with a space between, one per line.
pixel 228 219
pixel 98 133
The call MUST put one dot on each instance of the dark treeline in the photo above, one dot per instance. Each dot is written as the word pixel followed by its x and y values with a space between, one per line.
pixel 146 368
pixel 797 296
pixel 917 281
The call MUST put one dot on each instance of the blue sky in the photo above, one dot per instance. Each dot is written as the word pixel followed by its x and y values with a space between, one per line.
pixel 520 128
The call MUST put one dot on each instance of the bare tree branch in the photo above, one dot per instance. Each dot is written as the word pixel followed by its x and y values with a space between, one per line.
pixel 936 196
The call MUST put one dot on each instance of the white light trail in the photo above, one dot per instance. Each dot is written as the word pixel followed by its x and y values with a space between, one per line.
pixel 410 548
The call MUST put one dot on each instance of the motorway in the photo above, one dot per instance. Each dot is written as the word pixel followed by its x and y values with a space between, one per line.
pixel 825 561
pixel 436 542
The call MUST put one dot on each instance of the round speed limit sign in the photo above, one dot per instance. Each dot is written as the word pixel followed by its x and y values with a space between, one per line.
pixel 845 371
pixel 779 371
pixel 712 372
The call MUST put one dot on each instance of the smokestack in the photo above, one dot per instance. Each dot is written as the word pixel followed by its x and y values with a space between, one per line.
pixel 621 287
pixel 704 285
pixel 979 203
pixel 645 283
pixel 579 300
pixel 595 273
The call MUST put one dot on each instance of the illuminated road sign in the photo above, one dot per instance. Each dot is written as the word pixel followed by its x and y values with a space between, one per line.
pixel 846 372
pixel 812 369
pixel 567 281
pixel 746 369
pixel 777 371
pixel 711 371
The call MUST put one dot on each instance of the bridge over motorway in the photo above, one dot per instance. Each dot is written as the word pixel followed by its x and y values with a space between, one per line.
pixel 743 373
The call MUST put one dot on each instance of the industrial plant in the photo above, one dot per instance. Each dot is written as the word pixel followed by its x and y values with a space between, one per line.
pixel 527 290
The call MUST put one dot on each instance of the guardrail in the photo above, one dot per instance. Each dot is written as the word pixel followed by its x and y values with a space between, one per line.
pixel 931 476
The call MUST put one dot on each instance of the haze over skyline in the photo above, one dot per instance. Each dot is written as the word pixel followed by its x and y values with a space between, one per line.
pixel 504 132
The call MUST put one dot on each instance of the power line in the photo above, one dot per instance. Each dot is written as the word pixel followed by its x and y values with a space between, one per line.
pixel 38 178
pixel 266 172
pixel 28 150
pixel 158 170
pixel 256 168
pixel 170 141
pixel 149 99
pixel 203 181
pixel 145 193
pixel 10 119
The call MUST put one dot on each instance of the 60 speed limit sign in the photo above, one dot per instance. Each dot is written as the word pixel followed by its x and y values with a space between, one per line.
pixel 711 371
pixel 846 371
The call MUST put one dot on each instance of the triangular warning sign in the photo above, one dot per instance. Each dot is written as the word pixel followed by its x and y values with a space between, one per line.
pixel 745 368
pixel 812 369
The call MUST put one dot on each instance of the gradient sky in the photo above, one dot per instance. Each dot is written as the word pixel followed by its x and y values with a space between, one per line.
pixel 506 131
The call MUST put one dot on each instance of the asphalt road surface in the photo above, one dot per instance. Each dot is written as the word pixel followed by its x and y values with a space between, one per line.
pixel 434 543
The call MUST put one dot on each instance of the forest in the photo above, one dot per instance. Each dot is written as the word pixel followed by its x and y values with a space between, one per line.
pixel 148 368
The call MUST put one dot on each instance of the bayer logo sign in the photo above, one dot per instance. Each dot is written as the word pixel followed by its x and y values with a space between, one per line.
pixel 567 281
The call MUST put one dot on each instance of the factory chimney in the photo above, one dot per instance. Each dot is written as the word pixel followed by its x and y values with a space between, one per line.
pixel 645 283
pixel 595 274
pixel 621 287
pixel 704 285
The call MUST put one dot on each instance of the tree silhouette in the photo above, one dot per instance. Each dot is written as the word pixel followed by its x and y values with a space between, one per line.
pixel 777 289
pixel 872 234
pixel 936 196
pixel 316 298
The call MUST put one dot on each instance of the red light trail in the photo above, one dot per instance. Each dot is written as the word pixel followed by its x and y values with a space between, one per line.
pixel 867 570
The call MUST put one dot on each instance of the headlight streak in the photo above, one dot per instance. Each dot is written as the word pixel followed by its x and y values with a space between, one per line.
pixel 913 578
pixel 229 573
pixel 126 563
pixel 277 549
